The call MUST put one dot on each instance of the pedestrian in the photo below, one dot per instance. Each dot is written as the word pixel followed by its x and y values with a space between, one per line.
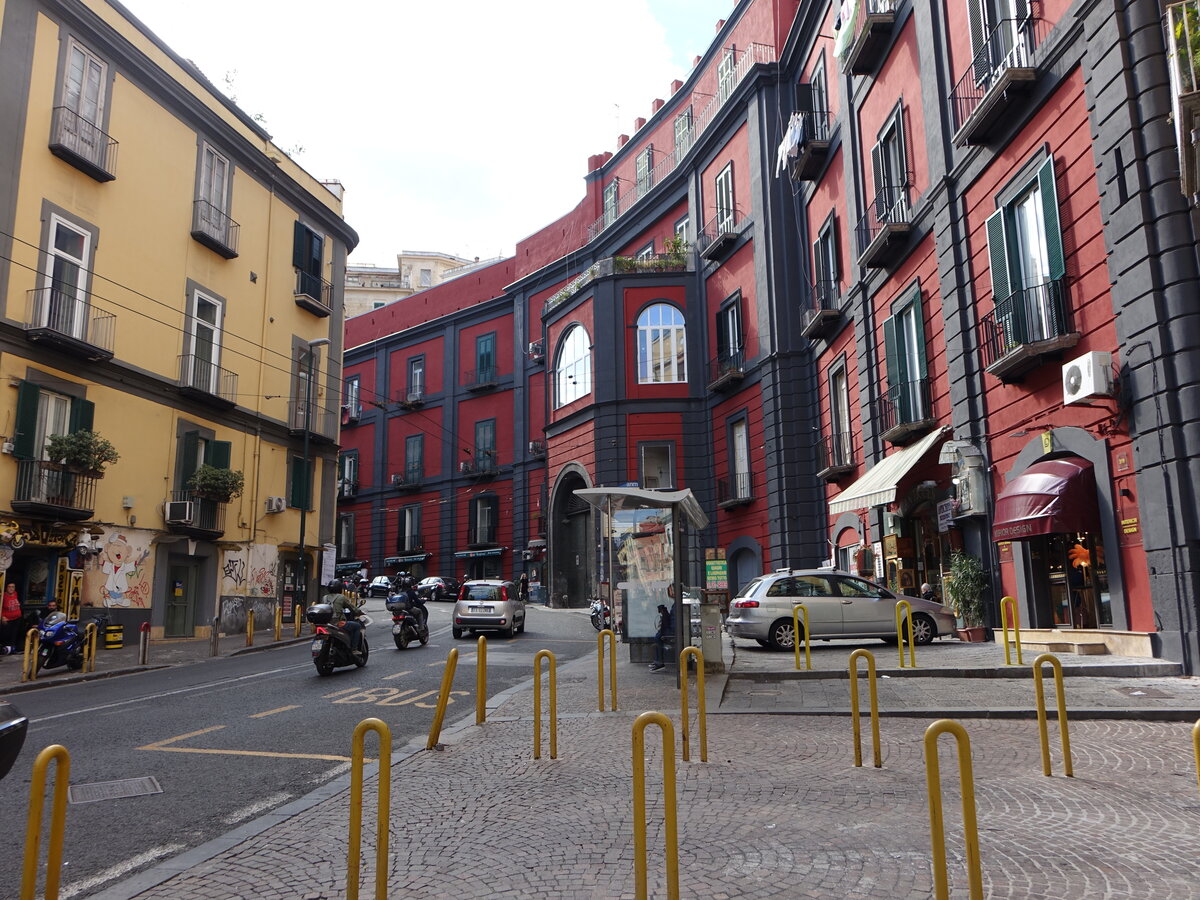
pixel 523 587
pixel 927 592
pixel 10 619
pixel 663 630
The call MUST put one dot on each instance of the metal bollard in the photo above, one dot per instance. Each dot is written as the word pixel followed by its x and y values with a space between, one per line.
pixel 937 830
pixel 383 821
pixel 796 610
pixel 698 656
pixel 143 644
pixel 29 661
pixel 1009 612
pixel 214 637
pixel 639 804
pixel 90 632
pixel 1062 713
pixel 279 622
pixel 435 730
pixel 249 628
pixel 870 658
pixel 481 681
pixel 912 644
pixel 58 819
pixel 537 704
pixel 612 666
pixel 298 617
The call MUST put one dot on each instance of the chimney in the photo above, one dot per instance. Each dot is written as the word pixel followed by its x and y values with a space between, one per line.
pixel 656 105
pixel 622 140
pixel 676 85
pixel 720 25
pixel 695 61
pixel 638 123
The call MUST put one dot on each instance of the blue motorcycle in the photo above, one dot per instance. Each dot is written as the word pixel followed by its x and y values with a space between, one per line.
pixel 61 642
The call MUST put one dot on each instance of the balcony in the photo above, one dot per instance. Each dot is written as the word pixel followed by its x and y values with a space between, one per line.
pixel 413 396
pixel 726 370
pixel 873 23
pixel 314 294
pixel 905 411
pixel 679 261
pixel 188 513
pixel 810 133
pixel 410 479
pixel 823 319
pixel 537 449
pixel 215 230
pixel 999 74
pixel 883 231
pixel 50 490
pixel 736 490
pixel 537 352
pixel 1025 329
pixel 720 234
pixel 481 465
pixel 65 319
pixel 204 380
pixel 320 423
pixel 1183 48
pixel 78 142
pixel 836 457
pixel 410 543
pixel 482 379
pixel 481 536
pixel 347 489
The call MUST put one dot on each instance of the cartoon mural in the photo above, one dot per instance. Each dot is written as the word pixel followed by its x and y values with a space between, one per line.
pixel 120 574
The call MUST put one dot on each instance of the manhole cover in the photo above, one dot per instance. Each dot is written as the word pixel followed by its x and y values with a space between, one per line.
pixel 1150 692
pixel 113 790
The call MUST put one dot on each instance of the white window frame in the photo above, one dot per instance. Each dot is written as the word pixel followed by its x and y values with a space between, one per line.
pixel 65 311
pixel 415 386
pixel 214 191
pixel 683 134
pixel 53 417
pixel 723 195
pixel 661 326
pixel 352 399
pixel 725 74
pixel 611 203
pixel 646 253
pixel 645 169
pixel 664 478
pixel 215 328
pixel 573 372
pixel 426 278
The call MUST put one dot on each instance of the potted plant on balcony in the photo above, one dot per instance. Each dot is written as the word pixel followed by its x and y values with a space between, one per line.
pixel 965 587
pixel 84 452
pixel 220 485
pixel 675 248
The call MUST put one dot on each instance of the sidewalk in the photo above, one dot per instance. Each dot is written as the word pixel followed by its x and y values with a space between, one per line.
pixel 778 810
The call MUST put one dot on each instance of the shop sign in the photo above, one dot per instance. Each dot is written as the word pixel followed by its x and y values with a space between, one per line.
pixel 716 575
pixel 877 549
pixel 1130 525
pixel 945 515
pixel 1004 551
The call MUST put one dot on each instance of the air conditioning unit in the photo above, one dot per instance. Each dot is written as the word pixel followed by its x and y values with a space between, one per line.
pixel 179 512
pixel 276 504
pixel 466 467
pixel 1087 377
pixel 397 479
pixel 535 351
pixel 536 448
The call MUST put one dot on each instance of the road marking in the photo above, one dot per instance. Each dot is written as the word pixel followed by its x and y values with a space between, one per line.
pixel 255 808
pixel 385 696
pixel 338 693
pixel 271 712
pixel 165 747
pixel 384 678
pixel 134 862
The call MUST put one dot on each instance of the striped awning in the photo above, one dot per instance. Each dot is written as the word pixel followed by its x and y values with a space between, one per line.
pixel 878 486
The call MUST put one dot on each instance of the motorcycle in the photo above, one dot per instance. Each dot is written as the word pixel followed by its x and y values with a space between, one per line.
pixel 601 614
pixel 61 642
pixel 407 623
pixel 331 644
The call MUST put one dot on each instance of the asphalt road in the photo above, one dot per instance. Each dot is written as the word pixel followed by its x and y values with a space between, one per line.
pixel 234 738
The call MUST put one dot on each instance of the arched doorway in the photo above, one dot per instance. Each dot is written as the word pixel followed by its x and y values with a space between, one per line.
pixel 744 566
pixel 572 549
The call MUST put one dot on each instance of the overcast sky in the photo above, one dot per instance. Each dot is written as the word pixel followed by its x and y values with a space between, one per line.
pixel 455 126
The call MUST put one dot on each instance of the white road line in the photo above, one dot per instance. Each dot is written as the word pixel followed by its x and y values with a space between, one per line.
pixel 254 809
pixel 134 862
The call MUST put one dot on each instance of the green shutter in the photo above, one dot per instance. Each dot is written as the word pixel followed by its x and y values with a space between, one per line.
pixel 299 492
pixel 981 63
pixel 1054 242
pixel 82 414
pixel 26 424
pixel 299 242
pixel 891 347
pixel 316 258
pixel 218 453
pixel 998 257
pixel 191 440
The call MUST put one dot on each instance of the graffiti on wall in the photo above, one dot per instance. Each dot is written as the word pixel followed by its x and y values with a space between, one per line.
pixel 250 571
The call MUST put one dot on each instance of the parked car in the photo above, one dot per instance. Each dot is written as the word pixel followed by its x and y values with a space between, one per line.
pixel 489 605
pixel 438 587
pixel 380 586
pixel 13 726
pixel 839 605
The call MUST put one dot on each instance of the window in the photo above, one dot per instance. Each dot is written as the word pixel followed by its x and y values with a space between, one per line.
pixel 426 278
pixel 998 35
pixel 300 480
pixel 819 88
pixel 197 448
pixel 483 516
pixel 646 253
pixel 839 415
pixel 345 536
pixel 739 458
pixel 904 344
pixel 80 128
pixel 308 256
pixel 348 473
pixel 889 163
pixel 683 134
pixel 855 587
pixel 662 345
pixel 485 444
pixel 573 373
pixel 610 203
pixel 306 407
pixel 42 412
pixel 485 357
pixel 724 196
pixel 729 331
pixel 681 228
pixel 416 378
pixel 213 206
pixel 351 401
pixel 657 466
pixel 645 168
pixel 725 72
pixel 409 533
pixel 65 300
pixel 827 284
pixel 203 357
pixel 414 458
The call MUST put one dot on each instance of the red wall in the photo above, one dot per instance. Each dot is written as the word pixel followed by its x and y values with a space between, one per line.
pixel 653 427
pixel 737 273
pixel 434 352
pixel 899 79
pixel 737 150
pixel 427 421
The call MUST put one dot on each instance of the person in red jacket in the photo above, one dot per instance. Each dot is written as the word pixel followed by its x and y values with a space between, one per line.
pixel 10 619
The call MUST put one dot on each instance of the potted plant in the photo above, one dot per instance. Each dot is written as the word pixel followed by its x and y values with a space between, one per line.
pixel 83 451
pixel 221 485
pixel 965 587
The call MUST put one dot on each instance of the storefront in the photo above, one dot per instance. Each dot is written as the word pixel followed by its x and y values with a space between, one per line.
pixel 481 564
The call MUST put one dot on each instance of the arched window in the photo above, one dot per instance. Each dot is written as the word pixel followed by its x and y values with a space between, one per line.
pixel 573 374
pixel 662 345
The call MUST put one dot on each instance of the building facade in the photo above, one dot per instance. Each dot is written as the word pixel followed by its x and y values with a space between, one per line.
pixel 171 284
pixel 370 287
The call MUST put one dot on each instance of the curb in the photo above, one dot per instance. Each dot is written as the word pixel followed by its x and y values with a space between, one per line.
pixel 1138 714
pixel 1141 670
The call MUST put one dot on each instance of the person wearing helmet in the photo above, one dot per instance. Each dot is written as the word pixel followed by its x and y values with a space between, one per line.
pixel 342 604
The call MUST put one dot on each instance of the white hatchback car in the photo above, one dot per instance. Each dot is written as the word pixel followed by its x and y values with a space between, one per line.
pixel 840 605
pixel 488 605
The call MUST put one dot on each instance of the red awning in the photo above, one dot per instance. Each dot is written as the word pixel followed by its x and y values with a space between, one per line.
pixel 1057 495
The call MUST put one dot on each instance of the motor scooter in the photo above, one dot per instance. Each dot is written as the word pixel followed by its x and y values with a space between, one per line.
pixel 331 644
pixel 601 614
pixel 61 642
pixel 408 623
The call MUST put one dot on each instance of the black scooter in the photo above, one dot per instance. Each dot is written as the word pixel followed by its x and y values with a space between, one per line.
pixel 331 645
pixel 408 622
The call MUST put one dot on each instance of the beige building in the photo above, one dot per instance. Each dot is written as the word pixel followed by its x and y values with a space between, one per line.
pixel 370 287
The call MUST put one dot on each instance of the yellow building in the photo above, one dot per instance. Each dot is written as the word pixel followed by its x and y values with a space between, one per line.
pixel 169 279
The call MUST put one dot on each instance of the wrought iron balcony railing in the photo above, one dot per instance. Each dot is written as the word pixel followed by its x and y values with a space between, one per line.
pixel 313 293
pixel 480 379
pixel 720 232
pixel 478 535
pixel 410 543
pixel 678 261
pixel 836 456
pixel 347 489
pixel 321 423
pixel 189 513
pixel 66 318
pixel 79 142
pixel 886 223
pixel 1029 324
pixel 411 478
pixel 812 131
pixel 1002 65
pixel 49 489
pixel 736 489
pixel 204 378
pixel 726 369
pixel 215 230
pixel 822 317
pixel 872 24
pixel 905 410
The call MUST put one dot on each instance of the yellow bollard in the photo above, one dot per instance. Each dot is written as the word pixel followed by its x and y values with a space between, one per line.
pixel 936 828
pixel 698 656
pixel 1062 712
pixel 912 644
pixel 58 819
pixel 279 622
pixel 383 802
pixel 90 633
pixel 537 704
pixel 796 610
pixel 612 666
pixel 249 628
pixel 29 662
pixel 298 616
pixel 639 804
pixel 1196 748
pixel 435 730
pixel 1009 613
pixel 870 658
pixel 481 681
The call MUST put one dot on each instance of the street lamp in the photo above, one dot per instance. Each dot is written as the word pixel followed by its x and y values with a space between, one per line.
pixel 308 479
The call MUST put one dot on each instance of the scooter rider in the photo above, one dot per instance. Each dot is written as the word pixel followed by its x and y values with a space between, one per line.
pixel 341 604
pixel 416 602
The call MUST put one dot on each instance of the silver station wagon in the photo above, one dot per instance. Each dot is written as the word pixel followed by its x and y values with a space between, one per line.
pixel 840 605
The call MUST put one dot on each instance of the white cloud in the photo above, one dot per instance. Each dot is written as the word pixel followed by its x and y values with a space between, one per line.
pixel 459 127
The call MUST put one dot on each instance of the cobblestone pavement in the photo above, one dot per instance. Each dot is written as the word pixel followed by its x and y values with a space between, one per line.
pixel 779 810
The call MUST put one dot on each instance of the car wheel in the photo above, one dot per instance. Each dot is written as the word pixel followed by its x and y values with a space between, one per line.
pixel 457 632
pixel 439 594
pixel 762 643
pixel 782 635
pixel 924 629
pixel 521 627
pixel 511 630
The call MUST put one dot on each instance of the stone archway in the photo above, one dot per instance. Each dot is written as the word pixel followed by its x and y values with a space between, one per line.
pixel 572 545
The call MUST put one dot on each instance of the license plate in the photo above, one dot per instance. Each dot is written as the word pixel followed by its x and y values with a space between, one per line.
pixel 480 609
pixel 316 645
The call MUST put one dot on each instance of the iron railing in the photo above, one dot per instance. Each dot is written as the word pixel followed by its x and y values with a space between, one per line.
pixel 412 476
pixel 320 422
pixel 207 514
pixel 474 379
pixel 214 229
pixel 315 289
pixel 836 451
pixel 481 534
pixel 82 143
pixel 67 312
pixel 409 543
pixel 892 206
pixel 347 489
pixel 205 376
pixel 726 365
pixel 860 46
pixel 45 484
pixel 1027 316
pixel 737 488
pixel 1009 46
pixel 679 261
pixel 726 222
pixel 537 448
pixel 826 294
pixel 905 403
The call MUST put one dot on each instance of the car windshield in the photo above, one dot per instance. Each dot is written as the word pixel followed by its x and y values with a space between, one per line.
pixel 431 581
